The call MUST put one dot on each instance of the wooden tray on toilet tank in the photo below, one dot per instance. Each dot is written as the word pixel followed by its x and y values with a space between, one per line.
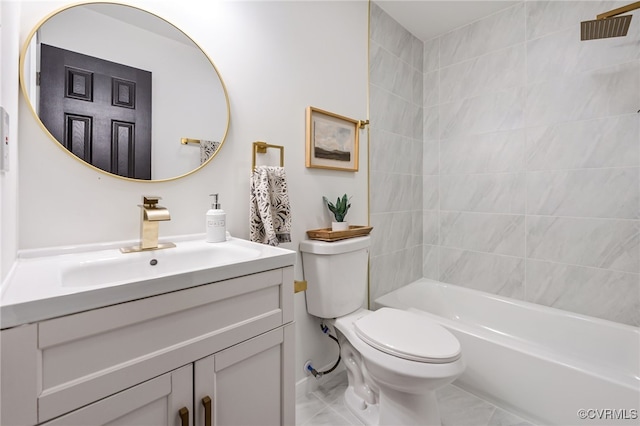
pixel 326 234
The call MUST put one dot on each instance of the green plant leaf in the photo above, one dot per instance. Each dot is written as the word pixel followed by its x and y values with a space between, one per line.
pixel 340 208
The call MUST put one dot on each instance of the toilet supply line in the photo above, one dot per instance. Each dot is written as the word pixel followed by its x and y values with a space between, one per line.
pixel 318 374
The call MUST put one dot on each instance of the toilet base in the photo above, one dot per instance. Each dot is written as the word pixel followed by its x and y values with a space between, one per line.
pixel 395 408
pixel 368 414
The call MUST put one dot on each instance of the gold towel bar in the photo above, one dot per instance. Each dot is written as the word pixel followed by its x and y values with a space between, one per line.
pixel 299 286
pixel 261 147
pixel 185 141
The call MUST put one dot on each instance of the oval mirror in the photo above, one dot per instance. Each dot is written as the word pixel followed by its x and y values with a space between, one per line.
pixel 125 91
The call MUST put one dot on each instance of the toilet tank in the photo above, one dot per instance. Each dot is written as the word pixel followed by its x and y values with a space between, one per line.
pixel 336 274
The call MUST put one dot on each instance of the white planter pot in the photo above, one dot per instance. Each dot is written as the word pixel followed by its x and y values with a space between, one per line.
pixel 339 226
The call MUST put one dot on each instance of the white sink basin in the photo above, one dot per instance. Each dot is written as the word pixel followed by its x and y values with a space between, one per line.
pixel 112 268
pixel 52 282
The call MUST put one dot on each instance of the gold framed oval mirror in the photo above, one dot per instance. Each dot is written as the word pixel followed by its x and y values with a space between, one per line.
pixel 124 91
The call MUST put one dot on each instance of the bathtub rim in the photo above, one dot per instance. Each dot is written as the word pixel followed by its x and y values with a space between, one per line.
pixel 514 301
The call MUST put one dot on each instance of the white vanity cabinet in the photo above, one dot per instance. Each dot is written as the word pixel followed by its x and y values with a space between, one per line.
pixel 144 361
pixel 159 401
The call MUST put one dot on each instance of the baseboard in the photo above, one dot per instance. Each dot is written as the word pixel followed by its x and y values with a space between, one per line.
pixel 310 384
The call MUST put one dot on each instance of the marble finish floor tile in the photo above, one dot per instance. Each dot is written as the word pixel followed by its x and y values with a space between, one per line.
pixel 325 407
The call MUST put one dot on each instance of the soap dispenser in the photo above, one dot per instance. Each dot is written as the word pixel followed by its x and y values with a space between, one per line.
pixel 216 222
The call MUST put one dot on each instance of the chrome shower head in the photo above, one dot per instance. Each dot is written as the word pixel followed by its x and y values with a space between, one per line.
pixel 608 24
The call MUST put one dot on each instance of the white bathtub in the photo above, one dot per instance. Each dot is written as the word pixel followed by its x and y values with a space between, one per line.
pixel 541 363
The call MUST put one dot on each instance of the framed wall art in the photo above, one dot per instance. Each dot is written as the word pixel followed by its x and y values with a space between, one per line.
pixel 332 141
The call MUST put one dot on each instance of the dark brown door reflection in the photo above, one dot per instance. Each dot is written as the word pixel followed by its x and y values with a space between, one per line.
pixel 99 110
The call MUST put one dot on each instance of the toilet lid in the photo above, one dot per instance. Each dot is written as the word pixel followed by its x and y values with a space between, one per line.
pixel 408 335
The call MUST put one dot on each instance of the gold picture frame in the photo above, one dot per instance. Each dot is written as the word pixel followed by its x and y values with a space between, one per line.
pixel 332 141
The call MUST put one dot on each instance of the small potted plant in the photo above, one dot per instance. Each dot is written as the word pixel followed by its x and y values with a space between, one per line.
pixel 339 210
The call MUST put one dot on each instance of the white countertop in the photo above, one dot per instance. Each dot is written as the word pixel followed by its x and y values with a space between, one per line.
pixel 48 283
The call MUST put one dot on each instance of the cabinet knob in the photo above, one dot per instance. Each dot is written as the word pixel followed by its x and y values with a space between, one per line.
pixel 206 401
pixel 184 416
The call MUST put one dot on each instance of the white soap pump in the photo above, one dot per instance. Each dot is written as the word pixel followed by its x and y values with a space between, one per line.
pixel 216 222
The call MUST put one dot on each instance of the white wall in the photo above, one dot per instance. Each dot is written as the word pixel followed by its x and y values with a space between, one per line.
pixel 276 58
pixel 9 52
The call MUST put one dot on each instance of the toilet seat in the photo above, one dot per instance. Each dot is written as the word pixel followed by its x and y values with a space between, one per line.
pixel 408 335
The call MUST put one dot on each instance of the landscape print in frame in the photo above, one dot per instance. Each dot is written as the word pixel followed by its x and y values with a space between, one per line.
pixel 332 141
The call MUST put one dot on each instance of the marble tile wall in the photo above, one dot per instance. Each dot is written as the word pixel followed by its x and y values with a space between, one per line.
pixel 531 160
pixel 396 152
pixel 512 165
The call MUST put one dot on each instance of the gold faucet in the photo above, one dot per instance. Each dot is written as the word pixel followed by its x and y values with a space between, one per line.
pixel 152 215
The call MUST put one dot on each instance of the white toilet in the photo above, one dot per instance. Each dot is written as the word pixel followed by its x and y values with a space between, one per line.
pixel 395 359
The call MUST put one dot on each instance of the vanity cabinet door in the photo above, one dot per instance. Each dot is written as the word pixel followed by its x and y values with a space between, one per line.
pixel 156 402
pixel 251 383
